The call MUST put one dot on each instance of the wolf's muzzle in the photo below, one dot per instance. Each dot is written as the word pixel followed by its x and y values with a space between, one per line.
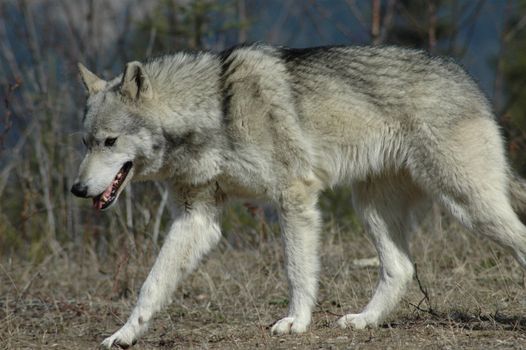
pixel 79 190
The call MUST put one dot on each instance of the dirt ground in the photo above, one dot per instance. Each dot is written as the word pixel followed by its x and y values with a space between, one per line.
pixel 468 294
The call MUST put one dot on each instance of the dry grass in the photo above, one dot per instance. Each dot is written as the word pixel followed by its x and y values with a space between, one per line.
pixel 475 299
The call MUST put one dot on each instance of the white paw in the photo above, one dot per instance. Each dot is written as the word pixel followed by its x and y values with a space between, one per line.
pixel 356 321
pixel 123 338
pixel 289 325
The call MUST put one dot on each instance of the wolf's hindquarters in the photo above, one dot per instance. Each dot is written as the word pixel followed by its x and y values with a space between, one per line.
pixel 387 207
pixel 463 168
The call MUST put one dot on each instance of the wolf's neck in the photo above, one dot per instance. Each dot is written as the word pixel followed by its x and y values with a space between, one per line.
pixel 186 77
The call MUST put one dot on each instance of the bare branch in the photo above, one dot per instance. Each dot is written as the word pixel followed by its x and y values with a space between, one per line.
pixel 471 23
pixel 273 35
pixel 357 13
pixel 14 153
pixel 375 20
pixel 151 41
pixel 432 27
pixel 343 29
pixel 34 46
pixel 5 45
pixel 44 169
pixel 242 19
pixel 388 20
pixel 512 32
pixel 315 23
pixel 499 77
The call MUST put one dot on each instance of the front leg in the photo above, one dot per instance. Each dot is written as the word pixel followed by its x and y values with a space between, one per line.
pixel 191 236
pixel 300 224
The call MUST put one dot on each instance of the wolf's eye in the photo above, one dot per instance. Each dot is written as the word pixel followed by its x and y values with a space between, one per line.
pixel 110 141
pixel 85 142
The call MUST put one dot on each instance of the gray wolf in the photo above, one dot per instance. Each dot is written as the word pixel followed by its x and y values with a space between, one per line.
pixel 401 127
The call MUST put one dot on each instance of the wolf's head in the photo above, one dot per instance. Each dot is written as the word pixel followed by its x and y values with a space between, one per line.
pixel 160 120
pixel 122 134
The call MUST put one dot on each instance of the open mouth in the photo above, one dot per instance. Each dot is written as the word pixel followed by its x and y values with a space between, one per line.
pixel 106 198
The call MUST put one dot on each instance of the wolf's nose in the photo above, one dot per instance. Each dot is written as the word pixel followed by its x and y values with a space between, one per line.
pixel 78 190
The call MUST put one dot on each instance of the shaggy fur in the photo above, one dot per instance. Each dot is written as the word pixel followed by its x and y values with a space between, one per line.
pixel 401 127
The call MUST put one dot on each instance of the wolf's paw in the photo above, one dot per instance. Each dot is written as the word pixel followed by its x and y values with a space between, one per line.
pixel 123 338
pixel 356 321
pixel 289 325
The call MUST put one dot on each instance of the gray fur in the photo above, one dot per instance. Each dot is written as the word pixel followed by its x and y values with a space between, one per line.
pixel 402 127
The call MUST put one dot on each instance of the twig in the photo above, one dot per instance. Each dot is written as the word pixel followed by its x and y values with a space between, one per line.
pixel 387 21
pixel 375 21
pixel 351 4
pixel 151 41
pixel 499 76
pixel 34 46
pixel 324 311
pixel 242 20
pixel 432 27
pixel 426 298
pixel 23 292
pixel 472 20
pixel 317 27
pixel 327 15
pixel 159 214
pixel 120 285
pixel 8 115
pixel 44 170
pixel 6 49
pixel 9 277
pixel 273 33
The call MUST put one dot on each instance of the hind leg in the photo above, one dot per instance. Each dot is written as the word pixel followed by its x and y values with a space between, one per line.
pixel 467 173
pixel 385 206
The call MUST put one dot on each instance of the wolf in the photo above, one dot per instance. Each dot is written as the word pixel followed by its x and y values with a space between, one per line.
pixel 399 126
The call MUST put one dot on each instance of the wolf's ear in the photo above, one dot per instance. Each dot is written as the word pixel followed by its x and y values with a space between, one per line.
pixel 92 82
pixel 135 82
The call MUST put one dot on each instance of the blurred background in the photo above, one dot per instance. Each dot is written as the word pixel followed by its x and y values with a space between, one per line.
pixel 43 98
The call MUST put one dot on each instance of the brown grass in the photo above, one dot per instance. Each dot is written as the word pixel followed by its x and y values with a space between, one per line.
pixel 69 301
